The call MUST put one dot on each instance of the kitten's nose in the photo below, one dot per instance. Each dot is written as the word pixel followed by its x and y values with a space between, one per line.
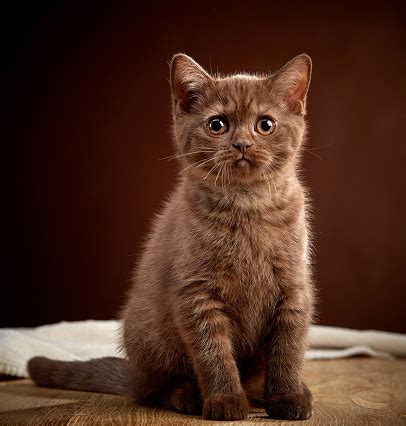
pixel 241 146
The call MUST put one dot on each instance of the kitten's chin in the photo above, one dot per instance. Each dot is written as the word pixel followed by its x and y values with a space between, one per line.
pixel 243 170
pixel 243 163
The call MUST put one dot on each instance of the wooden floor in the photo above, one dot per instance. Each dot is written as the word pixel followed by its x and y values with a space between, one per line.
pixel 357 391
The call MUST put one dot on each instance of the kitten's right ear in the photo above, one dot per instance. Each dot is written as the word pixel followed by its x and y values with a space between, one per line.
pixel 188 80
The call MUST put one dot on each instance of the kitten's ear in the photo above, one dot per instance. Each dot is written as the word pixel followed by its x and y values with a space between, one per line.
pixel 188 80
pixel 291 83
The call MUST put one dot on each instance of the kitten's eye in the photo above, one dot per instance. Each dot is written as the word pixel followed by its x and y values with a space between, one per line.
pixel 218 126
pixel 265 126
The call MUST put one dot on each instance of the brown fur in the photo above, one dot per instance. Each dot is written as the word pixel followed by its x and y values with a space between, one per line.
pixel 222 297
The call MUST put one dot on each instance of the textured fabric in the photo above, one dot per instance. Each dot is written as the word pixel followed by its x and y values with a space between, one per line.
pixel 83 340
pixel 67 341
pixel 368 342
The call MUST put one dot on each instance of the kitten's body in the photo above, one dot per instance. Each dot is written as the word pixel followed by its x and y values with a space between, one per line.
pixel 222 293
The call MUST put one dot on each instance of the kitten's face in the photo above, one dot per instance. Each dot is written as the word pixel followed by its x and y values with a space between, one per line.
pixel 240 128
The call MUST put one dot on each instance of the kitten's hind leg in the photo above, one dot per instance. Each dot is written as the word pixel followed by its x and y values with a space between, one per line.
pixel 252 378
pixel 179 393
pixel 183 396
pixel 254 389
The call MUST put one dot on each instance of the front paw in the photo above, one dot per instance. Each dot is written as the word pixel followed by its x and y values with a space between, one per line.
pixel 226 406
pixel 290 406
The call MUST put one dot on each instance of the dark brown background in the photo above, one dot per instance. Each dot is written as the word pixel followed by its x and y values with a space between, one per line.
pixel 87 117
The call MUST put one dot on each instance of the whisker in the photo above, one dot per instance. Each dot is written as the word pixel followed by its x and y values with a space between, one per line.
pixel 222 176
pixel 210 159
pixel 314 154
pixel 206 147
pixel 319 147
pixel 171 157
pixel 274 171
pixel 221 168
pixel 191 165
pixel 199 163
pixel 216 165
pixel 276 191
pixel 267 182
pixel 264 169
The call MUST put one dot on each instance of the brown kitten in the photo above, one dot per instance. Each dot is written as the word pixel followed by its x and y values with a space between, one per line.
pixel 222 298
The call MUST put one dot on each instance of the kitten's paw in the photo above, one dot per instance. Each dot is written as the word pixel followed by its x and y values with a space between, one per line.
pixel 290 406
pixel 185 397
pixel 221 406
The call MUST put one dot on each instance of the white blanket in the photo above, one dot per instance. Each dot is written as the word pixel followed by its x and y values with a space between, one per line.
pixel 83 340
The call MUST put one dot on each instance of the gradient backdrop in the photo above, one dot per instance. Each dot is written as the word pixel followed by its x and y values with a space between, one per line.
pixel 86 118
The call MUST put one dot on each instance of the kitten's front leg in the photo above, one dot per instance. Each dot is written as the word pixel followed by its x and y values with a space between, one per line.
pixel 285 395
pixel 205 329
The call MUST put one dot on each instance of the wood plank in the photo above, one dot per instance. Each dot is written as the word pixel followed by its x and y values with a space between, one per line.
pixel 359 391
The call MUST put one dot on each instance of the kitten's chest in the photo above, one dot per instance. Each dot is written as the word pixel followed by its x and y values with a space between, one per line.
pixel 243 272
pixel 245 252
pixel 245 266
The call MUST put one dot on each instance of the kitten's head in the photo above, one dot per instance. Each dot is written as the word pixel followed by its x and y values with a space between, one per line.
pixel 238 128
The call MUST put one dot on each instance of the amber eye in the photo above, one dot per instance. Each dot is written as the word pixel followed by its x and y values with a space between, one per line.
pixel 218 126
pixel 265 126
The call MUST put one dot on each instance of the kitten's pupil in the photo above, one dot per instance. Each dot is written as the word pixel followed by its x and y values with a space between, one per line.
pixel 266 125
pixel 217 125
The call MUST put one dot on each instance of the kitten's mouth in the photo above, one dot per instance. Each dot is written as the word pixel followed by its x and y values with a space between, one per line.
pixel 243 162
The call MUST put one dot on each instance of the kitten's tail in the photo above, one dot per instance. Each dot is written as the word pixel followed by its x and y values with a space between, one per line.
pixel 108 375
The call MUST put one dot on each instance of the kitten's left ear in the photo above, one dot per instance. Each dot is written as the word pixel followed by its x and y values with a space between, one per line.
pixel 291 83
pixel 188 80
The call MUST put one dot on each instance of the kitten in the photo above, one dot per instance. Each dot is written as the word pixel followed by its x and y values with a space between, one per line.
pixel 222 298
